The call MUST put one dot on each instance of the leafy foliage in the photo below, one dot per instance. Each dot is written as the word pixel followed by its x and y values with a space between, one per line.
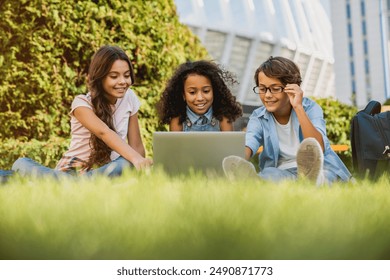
pixel 46 152
pixel 338 118
pixel 46 46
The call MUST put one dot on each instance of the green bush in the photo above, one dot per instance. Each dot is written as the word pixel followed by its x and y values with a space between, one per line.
pixel 338 118
pixel 46 45
pixel 46 152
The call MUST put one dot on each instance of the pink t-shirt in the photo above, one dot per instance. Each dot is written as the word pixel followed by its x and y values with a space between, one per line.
pixel 123 109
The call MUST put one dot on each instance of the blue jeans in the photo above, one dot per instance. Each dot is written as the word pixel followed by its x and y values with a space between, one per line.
pixel 4 175
pixel 276 174
pixel 29 167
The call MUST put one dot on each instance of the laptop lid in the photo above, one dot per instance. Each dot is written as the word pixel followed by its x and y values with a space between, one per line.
pixel 178 152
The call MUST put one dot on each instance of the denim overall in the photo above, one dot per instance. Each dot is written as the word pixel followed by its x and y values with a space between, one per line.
pixel 206 122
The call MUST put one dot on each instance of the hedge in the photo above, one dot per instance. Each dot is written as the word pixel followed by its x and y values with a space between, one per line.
pixel 46 46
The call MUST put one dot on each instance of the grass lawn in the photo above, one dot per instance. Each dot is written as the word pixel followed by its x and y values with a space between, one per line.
pixel 153 216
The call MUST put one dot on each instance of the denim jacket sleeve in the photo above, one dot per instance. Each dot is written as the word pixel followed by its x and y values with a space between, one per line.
pixel 254 131
pixel 261 131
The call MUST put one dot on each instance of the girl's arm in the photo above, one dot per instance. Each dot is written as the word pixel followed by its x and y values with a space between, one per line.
pixel 225 124
pixel 175 125
pixel 97 127
pixel 134 135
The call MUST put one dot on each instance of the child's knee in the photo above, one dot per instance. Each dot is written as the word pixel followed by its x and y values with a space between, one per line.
pixel 20 163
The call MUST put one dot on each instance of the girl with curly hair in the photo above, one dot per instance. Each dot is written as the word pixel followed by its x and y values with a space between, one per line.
pixel 197 98
pixel 104 123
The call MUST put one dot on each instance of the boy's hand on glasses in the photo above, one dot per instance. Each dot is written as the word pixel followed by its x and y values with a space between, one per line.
pixel 295 93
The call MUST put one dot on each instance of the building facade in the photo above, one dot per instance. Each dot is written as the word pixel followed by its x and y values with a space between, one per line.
pixel 241 34
pixel 361 40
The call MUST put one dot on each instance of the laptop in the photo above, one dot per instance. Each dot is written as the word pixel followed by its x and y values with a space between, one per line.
pixel 180 152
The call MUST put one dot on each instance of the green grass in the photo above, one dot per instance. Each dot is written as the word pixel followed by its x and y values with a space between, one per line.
pixel 153 216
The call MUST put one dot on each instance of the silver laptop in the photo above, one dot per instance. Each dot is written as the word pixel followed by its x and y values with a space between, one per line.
pixel 180 152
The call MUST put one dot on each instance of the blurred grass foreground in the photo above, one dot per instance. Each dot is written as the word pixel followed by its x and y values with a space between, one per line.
pixel 153 216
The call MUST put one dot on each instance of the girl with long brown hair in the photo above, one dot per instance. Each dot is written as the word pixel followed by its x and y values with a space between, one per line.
pixel 105 134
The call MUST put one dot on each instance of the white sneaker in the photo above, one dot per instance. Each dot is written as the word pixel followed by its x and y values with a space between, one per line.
pixel 310 161
pixel 236 167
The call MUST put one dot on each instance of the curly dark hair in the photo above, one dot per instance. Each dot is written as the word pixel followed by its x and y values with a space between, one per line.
pixel 172 104
pixel 280 68
pixel 99 68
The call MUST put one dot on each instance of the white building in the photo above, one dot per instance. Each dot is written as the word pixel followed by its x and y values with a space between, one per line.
pixel 241 34
pixel 361 40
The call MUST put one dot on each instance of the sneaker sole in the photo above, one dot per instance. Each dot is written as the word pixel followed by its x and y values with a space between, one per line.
pixel 309 159
pixel 236 167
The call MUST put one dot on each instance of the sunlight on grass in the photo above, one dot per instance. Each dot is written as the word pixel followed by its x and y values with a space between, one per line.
pixel 153 216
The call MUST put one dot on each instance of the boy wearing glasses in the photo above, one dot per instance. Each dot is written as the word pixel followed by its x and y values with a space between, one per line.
pixel 291 129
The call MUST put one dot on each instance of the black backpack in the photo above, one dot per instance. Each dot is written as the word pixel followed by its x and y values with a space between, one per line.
pixel 370 141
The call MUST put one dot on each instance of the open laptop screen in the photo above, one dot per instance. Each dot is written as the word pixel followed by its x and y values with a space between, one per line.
pixel 178 152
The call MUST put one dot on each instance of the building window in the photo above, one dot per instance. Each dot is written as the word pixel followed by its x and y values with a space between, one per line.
pixel 215 43
pixel 365 46
pixel 368 89
pixel 312 80
pixel 348 11
pixel 366 66
pixel 350 49
pixel 349 30
pixel 388 20
pixel 363 9
pixel 238 55
pixel 364 28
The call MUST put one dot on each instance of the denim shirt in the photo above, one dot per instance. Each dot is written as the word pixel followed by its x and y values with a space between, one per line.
pixel 194 121
pixel 261 131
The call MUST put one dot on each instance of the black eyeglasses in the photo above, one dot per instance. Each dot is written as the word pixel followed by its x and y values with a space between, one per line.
pixel 272 89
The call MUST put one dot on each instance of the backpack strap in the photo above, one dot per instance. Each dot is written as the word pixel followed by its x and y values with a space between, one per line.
pixel 354 139
pixel 373 107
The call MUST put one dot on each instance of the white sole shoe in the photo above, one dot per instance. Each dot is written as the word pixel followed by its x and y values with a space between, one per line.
pixel 236 167
pixel 310 160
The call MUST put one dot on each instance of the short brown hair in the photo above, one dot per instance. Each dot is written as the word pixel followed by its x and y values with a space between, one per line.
pixel 280 68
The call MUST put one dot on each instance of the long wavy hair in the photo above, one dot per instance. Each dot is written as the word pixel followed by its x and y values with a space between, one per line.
pixel 283 69
pixel 99 68
pixel 172 103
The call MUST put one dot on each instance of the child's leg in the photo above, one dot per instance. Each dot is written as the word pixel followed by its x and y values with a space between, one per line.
pixel 29 167
pixel 310 161
pixel 4 175
pixel 112 169
pixel 276 174
pixel 329 177
pixel 236 167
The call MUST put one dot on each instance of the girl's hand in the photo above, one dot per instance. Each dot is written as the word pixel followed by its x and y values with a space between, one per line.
pixel 142 163
pixel 295 94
